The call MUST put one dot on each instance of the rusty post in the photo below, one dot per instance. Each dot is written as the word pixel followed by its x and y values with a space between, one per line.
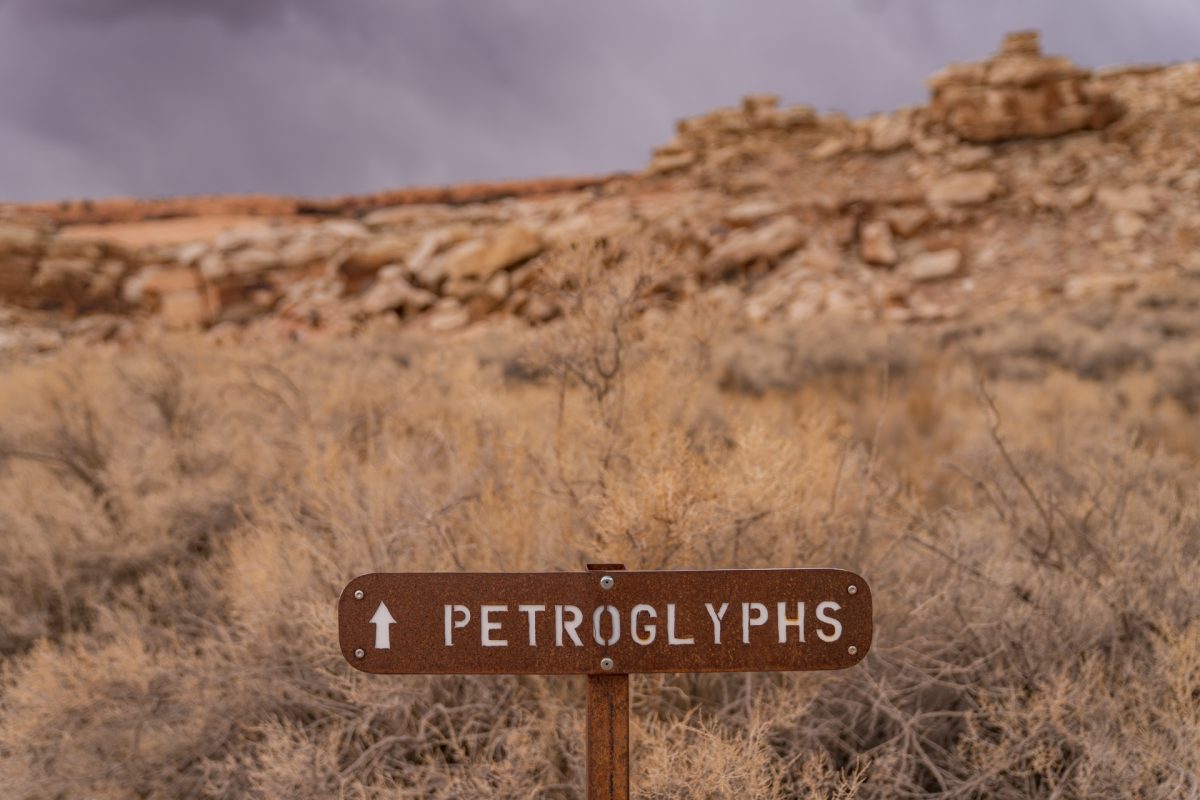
pixel 607 730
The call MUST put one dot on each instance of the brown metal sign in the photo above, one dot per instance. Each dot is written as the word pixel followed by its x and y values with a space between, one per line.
pixel 605 621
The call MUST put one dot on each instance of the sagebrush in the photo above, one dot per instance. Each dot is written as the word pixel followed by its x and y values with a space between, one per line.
pixel 177 519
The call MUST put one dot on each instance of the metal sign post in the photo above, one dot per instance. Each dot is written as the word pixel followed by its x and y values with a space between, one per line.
pixel 605 623
pixel 607 728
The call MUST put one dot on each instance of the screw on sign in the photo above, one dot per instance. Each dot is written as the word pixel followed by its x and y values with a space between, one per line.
pixel 606 624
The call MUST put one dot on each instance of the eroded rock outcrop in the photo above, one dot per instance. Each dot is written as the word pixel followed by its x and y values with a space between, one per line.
pixel 759 116
pixel 1019 93
pixel 772 211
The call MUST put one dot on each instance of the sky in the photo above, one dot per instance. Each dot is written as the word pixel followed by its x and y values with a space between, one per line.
pixel 319 97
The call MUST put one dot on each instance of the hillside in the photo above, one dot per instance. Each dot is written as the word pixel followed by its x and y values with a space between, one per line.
pixel 920 215
pixel 954 348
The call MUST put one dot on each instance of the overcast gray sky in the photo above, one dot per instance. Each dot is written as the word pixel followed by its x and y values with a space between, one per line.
pixel 315 97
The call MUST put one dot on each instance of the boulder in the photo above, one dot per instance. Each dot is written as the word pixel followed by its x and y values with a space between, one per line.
pixel 1019 93
pixel 253 261
pixel 756 106
pixel 789 117
pixel 933 266
pixel 308 249
pixel 393 292
pixel 969 157
pixel 377 251
pixel 498 287
pixel 829 148
pixel 876 243
pixel 212 266
pixel 665 162
pixel 766 243
pixel 448 315
pixel 963 189
pixel 344 229
pixel 216 266
pixel 888 132
pixel 483 257
pixel 421 262
pixel 751 212
pixel 907 220
pixel 189 253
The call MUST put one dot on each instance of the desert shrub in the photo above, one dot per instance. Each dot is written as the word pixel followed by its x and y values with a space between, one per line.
pixel 173 632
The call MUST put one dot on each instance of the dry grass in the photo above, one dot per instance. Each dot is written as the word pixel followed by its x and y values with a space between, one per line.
pixel 176 523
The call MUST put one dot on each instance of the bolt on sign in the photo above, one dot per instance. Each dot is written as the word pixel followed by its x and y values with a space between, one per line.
pixel 605 623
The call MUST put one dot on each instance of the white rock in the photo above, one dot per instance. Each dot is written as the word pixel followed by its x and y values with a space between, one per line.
pixel 498 287
pixel 392 292
pixel 907 220
pixel 307 250
pixel 889 132
pixel 1082 286
pixel 483 257
pixel 377 251
pixel 876 243
pixel 767 242
pixel 934 266
pixel 345 229
pixel 213 267
pixel 963 189
pixel 190 253
pixel 829 148
pixel 969 157
pixel 751 212
pixel 251 261
pixel 448 315
pixel 430 245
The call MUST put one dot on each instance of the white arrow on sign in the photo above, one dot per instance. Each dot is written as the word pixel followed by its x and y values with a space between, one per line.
pixel 383 620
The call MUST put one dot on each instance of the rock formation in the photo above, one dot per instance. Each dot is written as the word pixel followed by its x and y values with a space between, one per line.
pixel 908 217
pixel 1019 93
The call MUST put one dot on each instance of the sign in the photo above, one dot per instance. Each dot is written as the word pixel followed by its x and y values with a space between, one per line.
pixel 605 621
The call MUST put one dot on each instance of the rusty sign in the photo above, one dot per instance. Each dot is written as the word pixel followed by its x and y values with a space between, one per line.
pixel 605 621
